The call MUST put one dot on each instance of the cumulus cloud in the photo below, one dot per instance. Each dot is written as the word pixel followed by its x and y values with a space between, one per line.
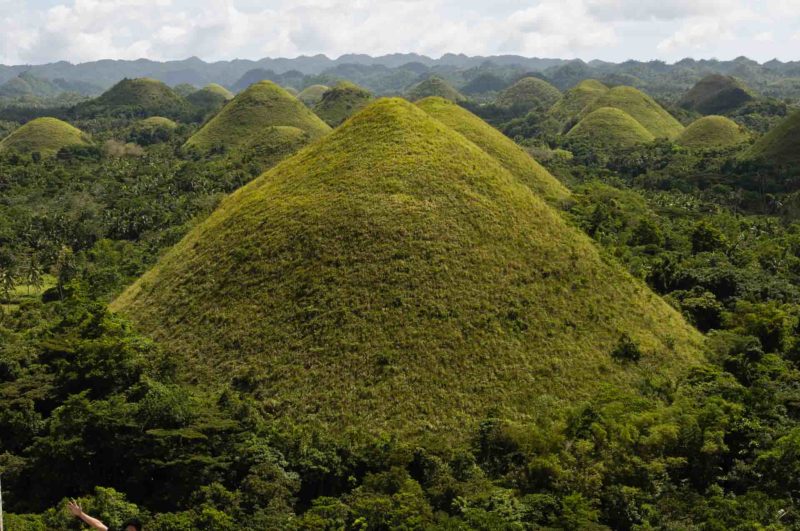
pixel 80 30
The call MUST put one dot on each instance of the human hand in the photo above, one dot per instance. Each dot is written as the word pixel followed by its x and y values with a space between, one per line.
pixel 74 508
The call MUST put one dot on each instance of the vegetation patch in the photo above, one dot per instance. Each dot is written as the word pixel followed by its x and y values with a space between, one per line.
pixel 717 94
pixel 434 86
pixel 312 95
pixel 341 102
pixel 712 132
pixel 139 97
pixel 781 145
pixel 609 128
pixel 529 92
pixel 641 108
pixel 45 136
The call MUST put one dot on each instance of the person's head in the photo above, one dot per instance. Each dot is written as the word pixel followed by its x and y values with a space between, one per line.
pixel 134 524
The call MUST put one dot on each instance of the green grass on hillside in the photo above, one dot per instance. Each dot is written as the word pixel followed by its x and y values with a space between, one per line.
pixel 250 113
pixel 641 108
pixel 219 89
pixel 394 278
pixel 715 94
pixel 781 145
pixel 312 95
pixel 712 132
pixel 434 86
pixel 158 121
pixel 45 136
pixel 211 97
pixel 341 102
pixel 610 128
pixel 569 107
pixel 497 145
pixel 529 92
pixel 141 96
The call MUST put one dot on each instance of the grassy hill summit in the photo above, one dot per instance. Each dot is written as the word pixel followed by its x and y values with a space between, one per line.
pixel 250 114
pixel 519 163
pixel 45 136
pixel 393 278
pixel 641 108
pixel 135 97
pixel 712 132
pixel 434 86
pixel 313 94
pixel 529 92
pixel 610 128
pixel 340 102
pixel 715 94
pixel 574 100
pixel 209 99
pixel 781 145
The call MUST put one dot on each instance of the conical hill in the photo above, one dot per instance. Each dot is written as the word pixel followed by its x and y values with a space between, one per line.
pixel 435 86
pixel 393 278
pixel 140 97
pixel 568 108
pixel 712 132
pixel 715 94
pixel 312 95
pixel 529 92
pixel 781 145
pixel 497 145
pixel 250 114
pixel 641 108
pixel 45 136
pixel 609 128
pixel 340 102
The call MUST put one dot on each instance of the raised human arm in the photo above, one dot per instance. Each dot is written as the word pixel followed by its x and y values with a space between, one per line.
pixel 77 512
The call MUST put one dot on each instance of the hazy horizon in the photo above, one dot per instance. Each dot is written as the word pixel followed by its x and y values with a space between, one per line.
pixel 77 31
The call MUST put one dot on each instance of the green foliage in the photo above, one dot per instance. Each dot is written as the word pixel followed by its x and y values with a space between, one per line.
pixel 527 93
pixel 434 86
pixel 608 128
pixel 135 98
pixel 312 95
pixel 779 147
pixel 569 107
pixel 640 107
pixel 45 136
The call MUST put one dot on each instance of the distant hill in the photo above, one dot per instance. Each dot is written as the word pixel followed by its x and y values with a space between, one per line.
pixel 712 132
pixel 340 102
pixel 313 94
pixel 45 136
pixel 434 86
pixel 250 115
pixel 781 145
pixel 640 107
pixel 484 83
pixel 210 98
pixel 519 163
pixel 529 92
pixel 716 94
pixel 609 128
pixel 153 130
pixel 394 280
pixel 140 97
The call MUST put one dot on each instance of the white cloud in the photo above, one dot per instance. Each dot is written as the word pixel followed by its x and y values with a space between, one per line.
pixel 81 30
pixel 764 36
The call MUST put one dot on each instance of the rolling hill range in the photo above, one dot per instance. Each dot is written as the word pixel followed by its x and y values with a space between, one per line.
pixel 251 114
pixel 641 108
pixel 529 92
pixel 716 94
pixel 141 97
pixel 434 86
pixel 338 103
pixel 395 278
pixel 45 136
pixel 497 145
pixel 610 128
pixel 566 110
pixel 781 145
pixel 712 132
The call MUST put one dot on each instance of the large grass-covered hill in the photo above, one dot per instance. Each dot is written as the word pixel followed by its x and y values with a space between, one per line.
pixel 313 94
pixel 568 108
pixel 781 145
pixel 716 94
pixel 340 102
pixel 249 117
pixel 609 128
pixel 641 107
pixel 503 149
pixel 45 136
pixel 710 132
pixel 140 97
pixel 395 278
pixel 529 92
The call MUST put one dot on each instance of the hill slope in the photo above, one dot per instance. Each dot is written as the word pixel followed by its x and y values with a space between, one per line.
pixel 609 128
pixel 781 145
pixel 529 92
pixel 497 145
pixel 715 94
pixel 434 86
pixel 312 95
pixel 250 114
pixel 641 108
pixel 45 136
pixel 712 132
pixel 569 107
pixel 210 98
pixel 135 97
pixel 341 102
pixel 393 277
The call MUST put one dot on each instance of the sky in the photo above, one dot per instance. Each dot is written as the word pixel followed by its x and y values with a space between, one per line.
pixel 41 31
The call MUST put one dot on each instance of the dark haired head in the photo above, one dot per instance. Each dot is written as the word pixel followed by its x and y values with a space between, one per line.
pixel 135 522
